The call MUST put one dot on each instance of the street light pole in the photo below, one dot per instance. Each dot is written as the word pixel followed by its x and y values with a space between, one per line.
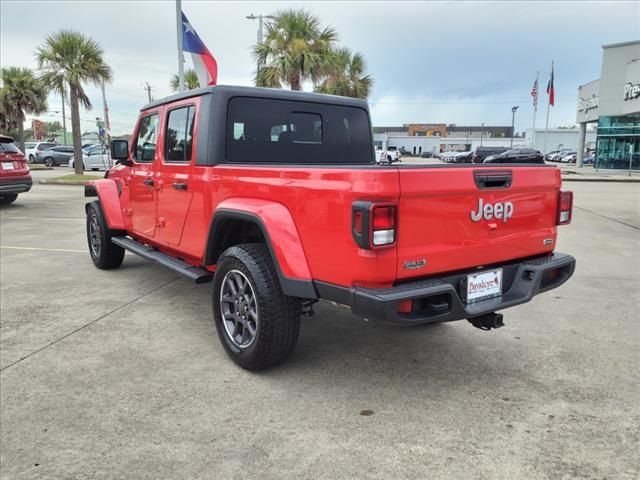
pixel 513 122
pixel 260 19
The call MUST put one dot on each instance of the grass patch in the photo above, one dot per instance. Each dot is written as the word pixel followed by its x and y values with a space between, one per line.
pixel 77 178
pixel 38 166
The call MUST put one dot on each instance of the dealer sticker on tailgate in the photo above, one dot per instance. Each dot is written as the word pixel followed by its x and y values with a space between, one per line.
pixel 481 286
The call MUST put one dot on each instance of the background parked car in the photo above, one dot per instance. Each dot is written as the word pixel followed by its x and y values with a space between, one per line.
pixel 517 155
pixel 483 152
pixel 54 156
pixel 557 155
pixel 96 157
pixel 589 159
pixel 31 148
pixel 570 157
pixel 463 157
pixel 14 172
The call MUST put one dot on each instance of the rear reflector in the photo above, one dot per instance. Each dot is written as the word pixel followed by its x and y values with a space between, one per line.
pixel 565 208
pixel 357 221
pixel 405 306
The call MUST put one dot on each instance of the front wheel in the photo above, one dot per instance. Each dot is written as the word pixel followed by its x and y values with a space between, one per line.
pixel 104 253
pixel 257 324
pixel 49 162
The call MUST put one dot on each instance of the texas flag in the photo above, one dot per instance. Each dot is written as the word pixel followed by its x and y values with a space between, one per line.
pixel 550 90
pixel 205 64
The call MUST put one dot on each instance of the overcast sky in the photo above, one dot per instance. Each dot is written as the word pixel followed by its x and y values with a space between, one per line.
pixel 453 62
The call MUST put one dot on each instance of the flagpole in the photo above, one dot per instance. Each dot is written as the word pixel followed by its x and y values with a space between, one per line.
pixel 546 125
pixel 535 110
pixel 180 54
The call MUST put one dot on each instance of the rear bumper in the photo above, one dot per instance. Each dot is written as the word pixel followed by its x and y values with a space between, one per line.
pixel 440 300
pixel 16 184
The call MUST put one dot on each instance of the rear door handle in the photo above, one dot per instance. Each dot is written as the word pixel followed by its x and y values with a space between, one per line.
pixel 148 181
pixel 180 186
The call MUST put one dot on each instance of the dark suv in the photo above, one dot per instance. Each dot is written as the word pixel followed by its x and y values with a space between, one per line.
pixel 483 152
pixel 517 155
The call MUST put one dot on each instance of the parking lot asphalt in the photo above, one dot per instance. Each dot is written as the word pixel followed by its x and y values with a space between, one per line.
pixel 120 374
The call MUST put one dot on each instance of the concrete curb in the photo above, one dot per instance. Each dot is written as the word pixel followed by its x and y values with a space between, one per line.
pixel 65 182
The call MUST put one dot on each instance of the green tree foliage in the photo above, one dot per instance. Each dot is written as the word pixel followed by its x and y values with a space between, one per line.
pixel 68 61
pixel 190 81
pixel 295 49
pixel 21 94
pixel 345 75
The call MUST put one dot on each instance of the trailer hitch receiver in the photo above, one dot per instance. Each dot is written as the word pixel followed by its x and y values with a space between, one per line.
pixel 487 321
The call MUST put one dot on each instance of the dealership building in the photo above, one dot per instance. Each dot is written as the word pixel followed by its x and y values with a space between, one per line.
pixel 613 103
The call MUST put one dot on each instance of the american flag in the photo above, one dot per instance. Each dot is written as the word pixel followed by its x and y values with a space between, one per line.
pixel 534 94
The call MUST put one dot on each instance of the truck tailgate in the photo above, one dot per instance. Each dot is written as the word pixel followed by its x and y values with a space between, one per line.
pixel 437 231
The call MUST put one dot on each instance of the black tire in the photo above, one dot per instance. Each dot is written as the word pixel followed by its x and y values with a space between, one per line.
pixel 104 253
pixel 73 165
pixel 32 159
pixel 49 162
pixel 278 322
pixel 6 199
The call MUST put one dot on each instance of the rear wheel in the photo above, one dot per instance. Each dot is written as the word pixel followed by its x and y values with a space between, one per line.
pixel 104 253
pixel 257 324
pixel 32 159
pixel 7 199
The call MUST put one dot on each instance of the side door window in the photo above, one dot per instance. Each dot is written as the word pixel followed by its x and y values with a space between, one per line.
pixel 179 135
pixel 145 147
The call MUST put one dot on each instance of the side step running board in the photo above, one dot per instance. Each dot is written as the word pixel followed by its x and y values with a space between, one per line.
pixel 197 274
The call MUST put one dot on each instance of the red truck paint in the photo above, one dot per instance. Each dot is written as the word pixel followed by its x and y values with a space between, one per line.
pixel 446 223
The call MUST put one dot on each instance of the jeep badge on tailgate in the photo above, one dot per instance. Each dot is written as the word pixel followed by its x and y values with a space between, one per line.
pixel 489 211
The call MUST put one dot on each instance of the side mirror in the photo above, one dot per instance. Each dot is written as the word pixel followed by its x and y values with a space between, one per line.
pixel 120 151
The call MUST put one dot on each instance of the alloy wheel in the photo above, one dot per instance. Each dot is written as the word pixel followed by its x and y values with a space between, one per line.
pixel 95 239
pixel 239 309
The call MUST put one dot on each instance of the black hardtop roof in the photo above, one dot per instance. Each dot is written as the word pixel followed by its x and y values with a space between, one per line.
pixel 236 91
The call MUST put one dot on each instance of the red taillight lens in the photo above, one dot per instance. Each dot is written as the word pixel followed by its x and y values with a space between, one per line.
pixel 384 225
pixel 384 218
pixel 565 208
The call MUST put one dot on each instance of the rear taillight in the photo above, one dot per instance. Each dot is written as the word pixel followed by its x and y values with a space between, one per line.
pixel 373 225
pixel 384 225
pixel 565 208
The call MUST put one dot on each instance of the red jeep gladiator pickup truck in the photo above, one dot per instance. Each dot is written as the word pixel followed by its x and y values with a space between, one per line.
pixel 276 197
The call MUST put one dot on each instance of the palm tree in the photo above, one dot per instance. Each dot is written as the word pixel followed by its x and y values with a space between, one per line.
pixel 345 75
pixel 68 60
pixel 21 94
pixel 190 81
pixel 294 49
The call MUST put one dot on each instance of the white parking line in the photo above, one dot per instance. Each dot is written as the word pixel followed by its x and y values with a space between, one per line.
pixel 7 247
pixel 6 217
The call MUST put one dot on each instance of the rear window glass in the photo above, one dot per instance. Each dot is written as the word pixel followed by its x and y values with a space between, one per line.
pixel 9 148
pixel 281 131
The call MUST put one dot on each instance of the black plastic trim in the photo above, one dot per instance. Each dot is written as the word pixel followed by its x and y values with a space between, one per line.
pixel 522 281
pixel 90 190
pixel 290 286
pixel 197 274
pixel 17 185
